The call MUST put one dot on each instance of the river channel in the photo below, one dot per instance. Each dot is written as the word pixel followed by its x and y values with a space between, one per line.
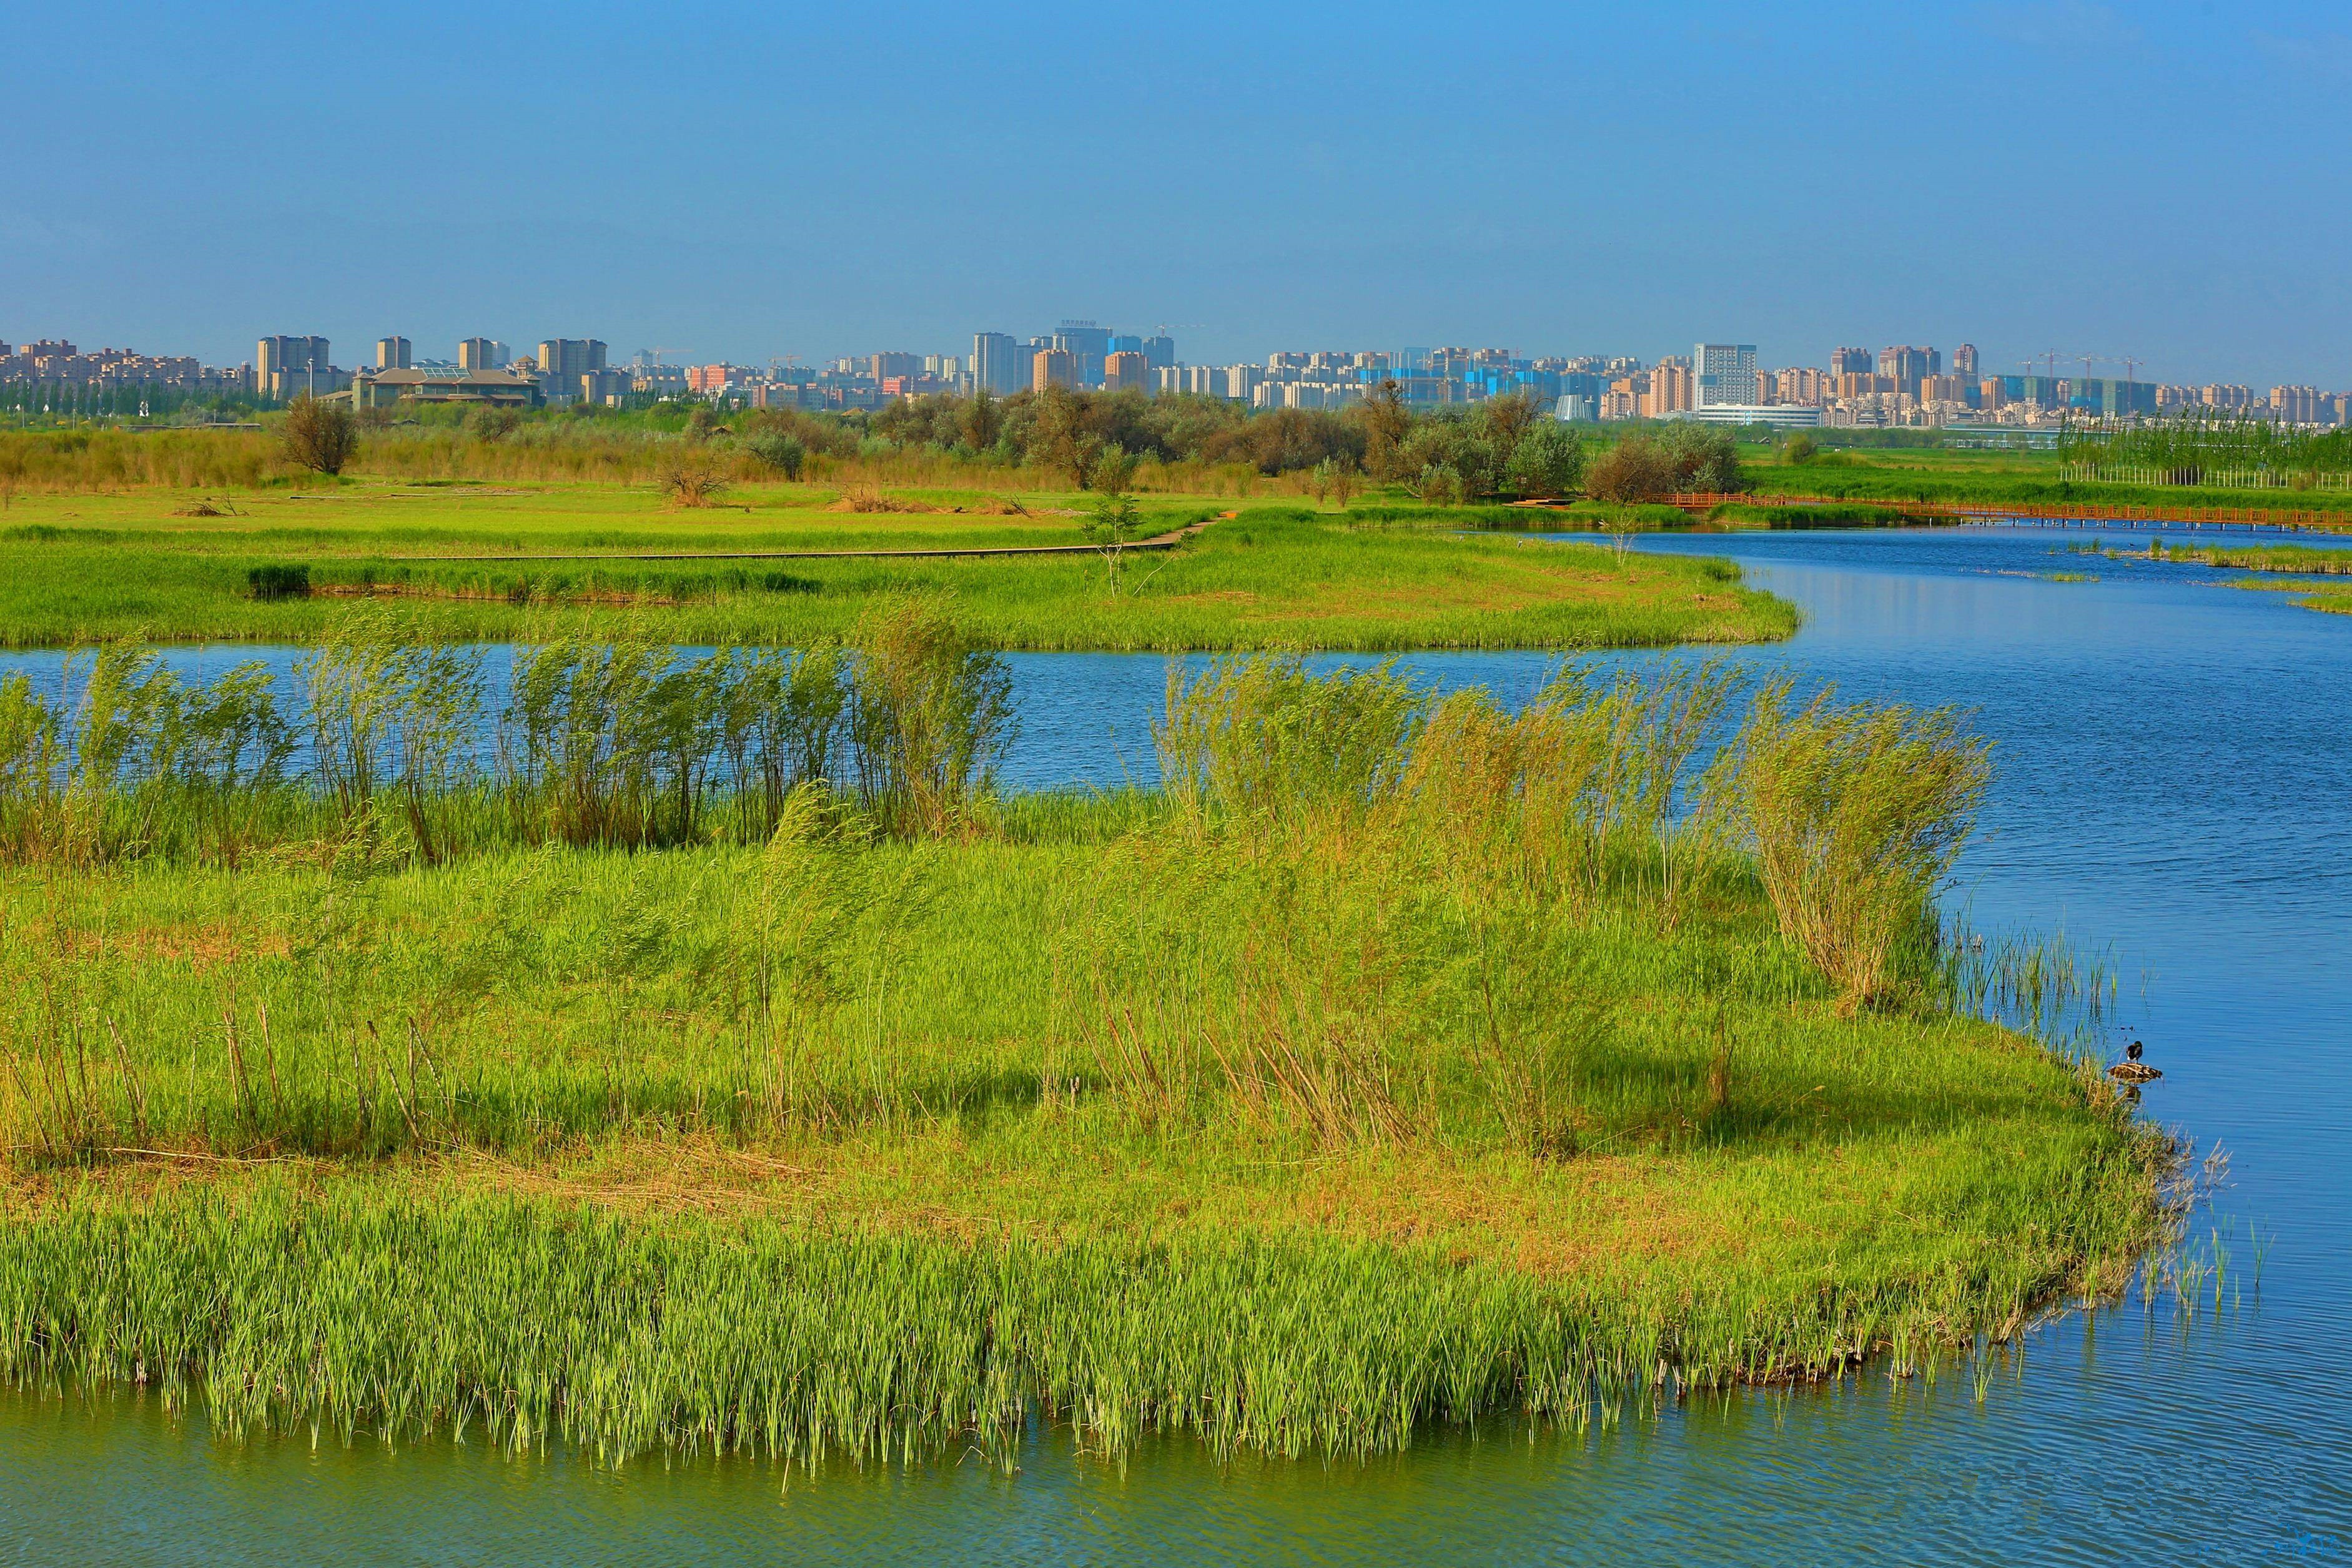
pixel 2174 793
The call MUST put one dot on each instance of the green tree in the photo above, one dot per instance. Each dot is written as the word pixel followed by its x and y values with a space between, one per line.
pixel 1635 470
pixel 1386 422
pixel 1116 521
pixel 784 454
pixel 982 421
pixel 1549 461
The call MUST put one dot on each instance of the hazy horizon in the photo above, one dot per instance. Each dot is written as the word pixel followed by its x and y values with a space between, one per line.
pixel 2157 180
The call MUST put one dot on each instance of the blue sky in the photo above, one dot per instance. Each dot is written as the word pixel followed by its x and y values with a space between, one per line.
pixel 2166 180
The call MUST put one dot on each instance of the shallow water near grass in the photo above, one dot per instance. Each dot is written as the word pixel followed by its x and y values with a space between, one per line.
pixel 2174 792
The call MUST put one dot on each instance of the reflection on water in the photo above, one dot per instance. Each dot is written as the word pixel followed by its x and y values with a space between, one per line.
pixel 2173 768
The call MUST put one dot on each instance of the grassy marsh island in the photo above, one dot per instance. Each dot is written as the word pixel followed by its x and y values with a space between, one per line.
pixel 77 568
pixel 722 1065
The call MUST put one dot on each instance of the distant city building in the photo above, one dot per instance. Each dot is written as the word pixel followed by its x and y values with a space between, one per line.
pixel 501 389
pixel 1852 363
pixel 1964 361
pixel 2302 405
pixel 1725 373
pixel 882 366
pixel 392 354
pixel 563 361
pixel 607 386
pixel 286 367
pixel 999 364
pixel 1053 367
pixel 1670 390
pixel 1801 386
pixel 1948 388
pixel 481 354
pixel 1126 370
pixel 1778 416
pixel 1160 351
pixel 1908 365
pixel 1087 346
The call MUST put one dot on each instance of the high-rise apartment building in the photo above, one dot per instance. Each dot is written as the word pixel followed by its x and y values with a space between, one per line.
pixel 481 354
pixel 999 364
pixel 1124 343
pixel 563 361
pixel 1126 370
pixel 286 367
pixel 882 366
pixel 1906 366
pixel 1845 361
pixel 2302 405
pixel 1724 373
pixel 1801 385
pixel 1964 361
pixel 1087 346
pixel 1053 367
pixel 392 353
pixel 1670 390
pixel 1160 351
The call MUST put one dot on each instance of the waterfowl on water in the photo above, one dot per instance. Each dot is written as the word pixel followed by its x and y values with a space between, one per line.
pixel 2132 1070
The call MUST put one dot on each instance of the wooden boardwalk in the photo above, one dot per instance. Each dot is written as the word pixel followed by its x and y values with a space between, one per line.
pixel 1167 540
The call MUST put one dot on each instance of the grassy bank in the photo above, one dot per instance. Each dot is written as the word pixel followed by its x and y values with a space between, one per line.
pixel 1398 1060
pixel 2314 571
pixel 75 567
pixel 2016 479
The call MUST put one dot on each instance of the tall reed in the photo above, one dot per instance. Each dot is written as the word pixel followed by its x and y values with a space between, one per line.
pixel 616 741
pixel 1856 814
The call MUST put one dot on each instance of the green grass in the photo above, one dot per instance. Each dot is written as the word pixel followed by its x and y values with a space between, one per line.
pixel 1401 1063
pixel 77 568
pixel 2012 479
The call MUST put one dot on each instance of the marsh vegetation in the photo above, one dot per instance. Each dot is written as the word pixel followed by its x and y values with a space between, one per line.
pixel 719 1061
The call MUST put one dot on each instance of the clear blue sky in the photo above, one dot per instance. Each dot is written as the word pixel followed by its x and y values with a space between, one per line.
pixel 2167 180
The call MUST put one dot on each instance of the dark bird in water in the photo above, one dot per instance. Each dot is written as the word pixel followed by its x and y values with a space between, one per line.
pixel 2132 1070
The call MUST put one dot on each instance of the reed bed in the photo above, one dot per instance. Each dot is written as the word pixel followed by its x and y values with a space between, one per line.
pixel 386 1311
pixel 1400 1060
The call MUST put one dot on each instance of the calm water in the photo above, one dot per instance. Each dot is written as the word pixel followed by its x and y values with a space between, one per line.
pixel 2175 791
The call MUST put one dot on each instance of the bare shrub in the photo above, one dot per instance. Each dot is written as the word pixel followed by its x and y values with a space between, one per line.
pixel 692 475
pixel 1634 470
pixel 319 435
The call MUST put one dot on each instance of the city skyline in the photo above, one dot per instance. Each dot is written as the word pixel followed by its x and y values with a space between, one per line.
pixel 1928 180
pixel 1897 386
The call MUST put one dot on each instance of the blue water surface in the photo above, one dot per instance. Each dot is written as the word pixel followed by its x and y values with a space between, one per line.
pixel 2174 792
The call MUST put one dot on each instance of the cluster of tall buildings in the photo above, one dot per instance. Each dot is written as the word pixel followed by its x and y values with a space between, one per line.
pixel 485 370
pixel 1911 385
pixel 1897 385
pixel 51 361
